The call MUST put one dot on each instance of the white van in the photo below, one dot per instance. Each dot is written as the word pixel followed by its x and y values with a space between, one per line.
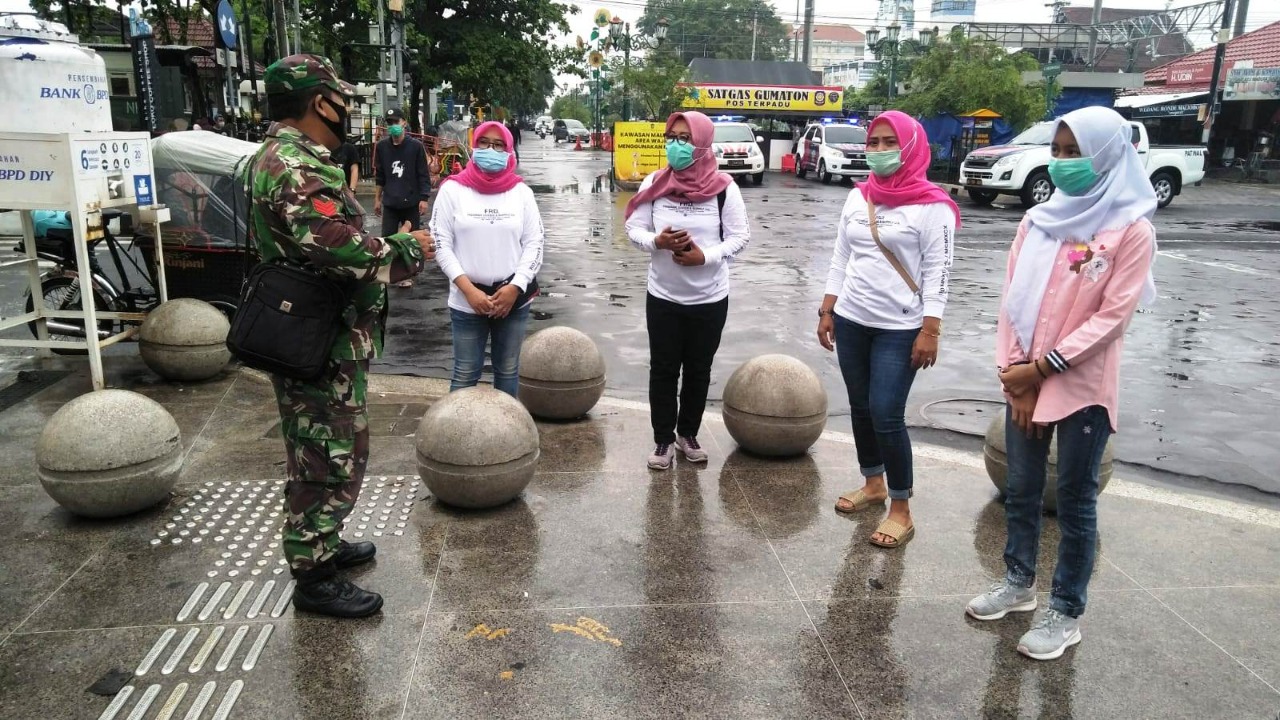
pixel 737 149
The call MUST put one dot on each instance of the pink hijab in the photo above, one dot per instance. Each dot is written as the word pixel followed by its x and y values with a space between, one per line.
pixel 490 183
pixel 910 184
pixel 697 183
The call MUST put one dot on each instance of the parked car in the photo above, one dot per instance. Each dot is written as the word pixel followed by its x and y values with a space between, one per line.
pixel 737 149
pixel 833 150
pixel 1022 167
pixel 570 131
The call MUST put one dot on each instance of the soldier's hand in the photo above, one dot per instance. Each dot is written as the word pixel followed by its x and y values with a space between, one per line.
pixel 425 241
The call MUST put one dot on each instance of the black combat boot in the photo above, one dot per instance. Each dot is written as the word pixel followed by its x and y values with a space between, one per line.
pixel 319 591
pixel 353 554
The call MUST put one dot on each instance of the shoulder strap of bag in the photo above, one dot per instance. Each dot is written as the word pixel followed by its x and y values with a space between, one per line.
pixel 888 254
pixel 720 198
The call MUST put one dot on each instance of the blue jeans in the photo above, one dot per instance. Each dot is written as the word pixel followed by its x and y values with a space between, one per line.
pixel 1082 438
pixel 876 365
pixel 471 333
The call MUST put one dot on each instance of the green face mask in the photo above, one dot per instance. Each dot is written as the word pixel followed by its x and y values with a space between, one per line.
pixel 1073 176
pixel 395 130
pixel 679 155
pixel 884 163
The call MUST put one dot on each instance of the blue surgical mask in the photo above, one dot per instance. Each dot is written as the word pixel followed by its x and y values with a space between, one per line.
pixel 679 155
pixel 1073 176
pixel 884 163
pixel 492 161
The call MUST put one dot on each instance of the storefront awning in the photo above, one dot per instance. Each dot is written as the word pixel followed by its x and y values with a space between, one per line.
pixel 1142 101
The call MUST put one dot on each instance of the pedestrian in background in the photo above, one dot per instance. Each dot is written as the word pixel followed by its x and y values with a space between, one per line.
pixel 887 288
pixel 514 127
pixel 401 177
pixel 300 209
pixel 691 220
pixel 348 158
pixel 490 237
pixel 1078 268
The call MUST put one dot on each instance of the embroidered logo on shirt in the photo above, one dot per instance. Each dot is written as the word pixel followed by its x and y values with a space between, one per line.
pixel 1079 256
pixel 327 208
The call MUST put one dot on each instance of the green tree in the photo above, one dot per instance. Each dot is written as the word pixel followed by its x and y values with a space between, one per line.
pixel 654 85
pixel 723 29
pixel 574 105
pixel 960 75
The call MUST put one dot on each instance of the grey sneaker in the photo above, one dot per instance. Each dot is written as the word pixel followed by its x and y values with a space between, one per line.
pixel 1003 599
pixel 662 456
pixel 1050 637
pixel 691 450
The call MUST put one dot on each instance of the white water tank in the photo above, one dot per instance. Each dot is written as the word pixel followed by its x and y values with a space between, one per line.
pixel 49 83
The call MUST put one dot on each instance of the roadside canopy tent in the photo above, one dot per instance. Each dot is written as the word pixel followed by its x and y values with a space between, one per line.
pixel 760 89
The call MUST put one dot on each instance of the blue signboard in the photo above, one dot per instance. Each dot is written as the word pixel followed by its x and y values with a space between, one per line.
pixel 227 25
pixel 142 190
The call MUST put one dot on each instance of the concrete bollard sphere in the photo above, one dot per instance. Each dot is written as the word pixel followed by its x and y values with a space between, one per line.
pixel 186 340
pixel 775 405
pixel 561 374
pixel 477 448
pixel 109 453
pixel 997 462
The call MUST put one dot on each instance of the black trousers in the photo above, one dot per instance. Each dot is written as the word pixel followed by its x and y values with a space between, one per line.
pixel 681 337
pixel 393 218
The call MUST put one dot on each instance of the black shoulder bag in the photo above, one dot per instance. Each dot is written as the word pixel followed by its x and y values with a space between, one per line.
pixel 289 316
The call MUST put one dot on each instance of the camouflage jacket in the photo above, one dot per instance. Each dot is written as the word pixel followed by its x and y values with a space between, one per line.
pixel 302 209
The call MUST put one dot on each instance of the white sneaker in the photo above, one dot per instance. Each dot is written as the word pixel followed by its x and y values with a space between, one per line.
pixel 691 450
pixel 662 457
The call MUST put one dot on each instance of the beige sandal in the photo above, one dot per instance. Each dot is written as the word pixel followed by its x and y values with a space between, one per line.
pixel 859 500
pixel 891 528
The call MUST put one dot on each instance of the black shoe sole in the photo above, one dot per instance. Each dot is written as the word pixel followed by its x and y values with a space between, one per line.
pixel 327 611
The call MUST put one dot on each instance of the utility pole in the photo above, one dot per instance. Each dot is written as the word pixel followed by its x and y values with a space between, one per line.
pixel 281 29
pixel 795 35
pixel 382 56
pixel 1214 103
pixel 1242 17
pixel 1093 32
pixel 755 28
pixel 808 31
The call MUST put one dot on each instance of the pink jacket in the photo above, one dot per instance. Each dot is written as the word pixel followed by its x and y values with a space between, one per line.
pixel 1092 295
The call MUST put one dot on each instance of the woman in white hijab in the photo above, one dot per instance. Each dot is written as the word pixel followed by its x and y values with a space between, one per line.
pixel 1078 268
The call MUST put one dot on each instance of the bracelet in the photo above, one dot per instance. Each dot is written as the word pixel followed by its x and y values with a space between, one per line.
pixel 932 335
pixel 1039 370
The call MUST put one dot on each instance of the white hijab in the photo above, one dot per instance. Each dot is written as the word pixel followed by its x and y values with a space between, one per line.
pixel 1122 196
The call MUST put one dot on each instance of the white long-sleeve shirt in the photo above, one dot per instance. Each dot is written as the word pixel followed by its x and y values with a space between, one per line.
pixel 488 238
pixel 706 283
pixel 869 291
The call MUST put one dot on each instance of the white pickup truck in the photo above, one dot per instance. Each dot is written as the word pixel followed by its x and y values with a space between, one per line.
pixel 1022 167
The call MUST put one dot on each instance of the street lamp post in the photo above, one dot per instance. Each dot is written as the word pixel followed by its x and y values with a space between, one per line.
pixel 894 48
pixel 620 36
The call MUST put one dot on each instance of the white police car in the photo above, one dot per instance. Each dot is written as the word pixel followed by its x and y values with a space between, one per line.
pixel 833 149
pixel 737 149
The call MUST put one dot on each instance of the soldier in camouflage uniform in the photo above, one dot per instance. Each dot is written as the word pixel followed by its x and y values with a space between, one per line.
pixel 302 209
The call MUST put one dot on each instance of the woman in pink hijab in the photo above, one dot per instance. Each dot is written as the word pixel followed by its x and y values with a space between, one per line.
pixel 691 220
pixel 886 290
pixel 488 234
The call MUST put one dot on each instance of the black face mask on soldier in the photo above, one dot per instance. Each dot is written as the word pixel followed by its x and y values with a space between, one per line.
pixel 337 127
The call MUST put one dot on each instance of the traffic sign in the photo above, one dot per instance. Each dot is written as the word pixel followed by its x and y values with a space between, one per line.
pixel 227 24
pixel 1051 70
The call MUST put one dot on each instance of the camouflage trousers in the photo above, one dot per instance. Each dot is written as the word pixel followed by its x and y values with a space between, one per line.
pixel 325 424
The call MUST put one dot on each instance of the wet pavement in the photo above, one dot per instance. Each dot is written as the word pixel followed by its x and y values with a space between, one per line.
pixel 727 591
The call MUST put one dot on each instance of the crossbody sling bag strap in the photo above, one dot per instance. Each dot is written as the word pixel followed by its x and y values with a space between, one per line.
pixel 289 316
pixel 888 254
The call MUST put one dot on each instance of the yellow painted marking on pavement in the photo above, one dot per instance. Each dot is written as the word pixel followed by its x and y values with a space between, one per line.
pixel 588 628
pixel 484 631
pixel 507 675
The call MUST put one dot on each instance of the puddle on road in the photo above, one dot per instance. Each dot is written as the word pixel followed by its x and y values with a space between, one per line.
pixel 598 185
